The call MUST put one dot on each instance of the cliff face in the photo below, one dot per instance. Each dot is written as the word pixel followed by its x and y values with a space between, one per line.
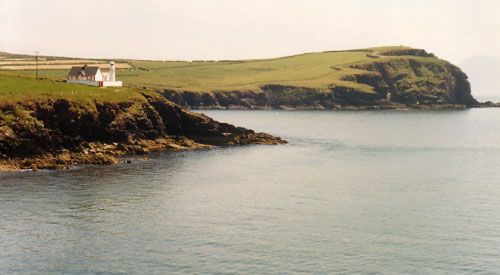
pixel 411 81
pixel 54 133
pixel 393 79
pixel 271 96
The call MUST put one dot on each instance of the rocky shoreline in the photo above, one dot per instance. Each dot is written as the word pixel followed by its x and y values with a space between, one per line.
pixel 99 153
pixel 296 99
pixel 56 133
pixel 352 108
pixel 314 100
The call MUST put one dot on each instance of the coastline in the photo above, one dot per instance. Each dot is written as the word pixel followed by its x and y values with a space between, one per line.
pixel 57 133
pixel 57 125
pixel 349 108
pixel 107 154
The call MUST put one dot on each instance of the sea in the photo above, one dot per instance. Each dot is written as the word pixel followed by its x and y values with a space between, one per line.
pixel 353 192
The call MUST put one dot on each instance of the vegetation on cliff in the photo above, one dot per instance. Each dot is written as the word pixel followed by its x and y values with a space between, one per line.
pixel 392 77
pixel 45 124
pixel 384 77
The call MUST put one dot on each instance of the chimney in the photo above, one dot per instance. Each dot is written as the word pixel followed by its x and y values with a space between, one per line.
pixel 82 72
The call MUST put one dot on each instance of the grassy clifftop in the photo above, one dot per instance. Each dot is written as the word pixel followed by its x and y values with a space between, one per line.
pixel 15 87
pixel 314 70
pixel 336 79
pixel 389 77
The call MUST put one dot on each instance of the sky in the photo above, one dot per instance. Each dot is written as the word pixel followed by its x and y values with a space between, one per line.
pixel 234 29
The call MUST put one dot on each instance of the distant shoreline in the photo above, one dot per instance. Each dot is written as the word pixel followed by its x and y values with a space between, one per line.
pixel 353 108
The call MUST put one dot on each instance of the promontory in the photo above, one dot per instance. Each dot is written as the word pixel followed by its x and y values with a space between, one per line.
pixel 47 124
pixel 384 77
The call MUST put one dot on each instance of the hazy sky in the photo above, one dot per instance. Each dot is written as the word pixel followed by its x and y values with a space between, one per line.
pixel 234 29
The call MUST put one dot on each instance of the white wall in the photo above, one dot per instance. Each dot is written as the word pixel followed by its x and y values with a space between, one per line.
pixel 112 84
pixel 85 82
pixel 98 75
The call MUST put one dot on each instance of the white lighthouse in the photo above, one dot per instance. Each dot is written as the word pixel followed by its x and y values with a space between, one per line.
pixel 111 75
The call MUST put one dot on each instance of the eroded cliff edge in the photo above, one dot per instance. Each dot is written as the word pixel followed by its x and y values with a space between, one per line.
pixel 56 133
pixel 392 79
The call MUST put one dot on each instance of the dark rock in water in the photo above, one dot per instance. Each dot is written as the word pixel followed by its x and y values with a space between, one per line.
pixel 488 104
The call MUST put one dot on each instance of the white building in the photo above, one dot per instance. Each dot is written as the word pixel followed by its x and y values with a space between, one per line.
pixel 93 76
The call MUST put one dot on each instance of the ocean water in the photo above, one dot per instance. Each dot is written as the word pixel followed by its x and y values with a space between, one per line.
pixel 364 192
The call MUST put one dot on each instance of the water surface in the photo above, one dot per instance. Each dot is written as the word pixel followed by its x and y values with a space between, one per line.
pixel 354 192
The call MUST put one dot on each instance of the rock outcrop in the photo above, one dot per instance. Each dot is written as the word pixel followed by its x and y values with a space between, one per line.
pixel 413 81
pixel 55 133
pixel 395 79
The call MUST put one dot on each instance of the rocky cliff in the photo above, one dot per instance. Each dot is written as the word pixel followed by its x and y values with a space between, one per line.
pixel 392 79
pixel 55 133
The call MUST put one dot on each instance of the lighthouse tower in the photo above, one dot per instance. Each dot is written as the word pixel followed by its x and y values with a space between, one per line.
pixel 110 79
pixel 111 75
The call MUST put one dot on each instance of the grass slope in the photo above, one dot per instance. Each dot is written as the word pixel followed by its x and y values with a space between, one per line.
pixel 313 70
pixel 17 87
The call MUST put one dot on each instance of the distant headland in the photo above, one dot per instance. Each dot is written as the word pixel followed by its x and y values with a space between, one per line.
pixel 372 78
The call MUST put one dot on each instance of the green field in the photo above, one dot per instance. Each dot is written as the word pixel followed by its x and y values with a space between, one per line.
pixel 18 87
pixel 313 70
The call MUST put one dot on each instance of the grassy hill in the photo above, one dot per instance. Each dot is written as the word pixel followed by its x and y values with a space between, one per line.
pixel 316 70
pixel 326 79
pixel 18 87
